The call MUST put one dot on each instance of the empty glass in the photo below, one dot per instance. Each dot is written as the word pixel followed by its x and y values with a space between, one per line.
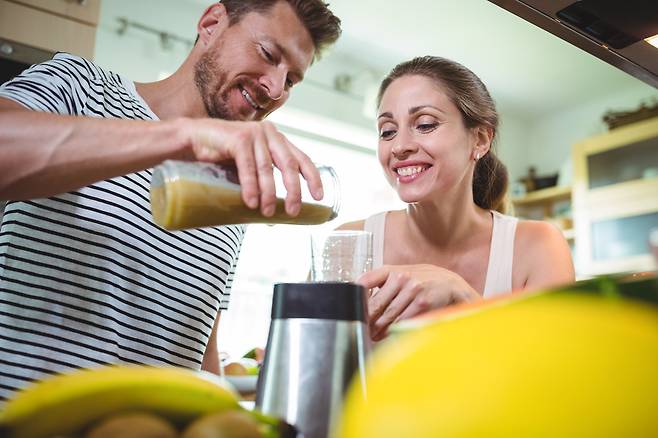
pixel 340 255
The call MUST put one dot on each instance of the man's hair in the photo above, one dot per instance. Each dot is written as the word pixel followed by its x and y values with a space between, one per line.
pixel 321 23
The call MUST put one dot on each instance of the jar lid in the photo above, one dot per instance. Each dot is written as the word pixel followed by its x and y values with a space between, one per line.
pixel 325 300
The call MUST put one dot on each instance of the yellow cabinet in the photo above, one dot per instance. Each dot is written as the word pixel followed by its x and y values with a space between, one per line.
pixel 552 204
pixel 615 198
pixel 81 10
pixel 51 25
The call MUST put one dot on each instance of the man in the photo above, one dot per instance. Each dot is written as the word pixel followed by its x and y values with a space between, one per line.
pixel 86 278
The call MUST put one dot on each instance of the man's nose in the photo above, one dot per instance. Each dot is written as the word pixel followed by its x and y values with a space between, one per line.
pixel 275 83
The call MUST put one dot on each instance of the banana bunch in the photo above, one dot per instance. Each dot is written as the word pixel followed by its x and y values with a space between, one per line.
pixel 71 404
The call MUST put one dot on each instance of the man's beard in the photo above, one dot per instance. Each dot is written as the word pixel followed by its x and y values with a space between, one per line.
pixel 214 100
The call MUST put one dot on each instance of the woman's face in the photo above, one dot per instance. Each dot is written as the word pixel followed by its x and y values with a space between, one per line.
pixel 424 147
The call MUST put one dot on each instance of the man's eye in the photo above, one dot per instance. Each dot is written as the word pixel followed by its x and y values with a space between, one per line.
pixel 267 54
pixel 289 83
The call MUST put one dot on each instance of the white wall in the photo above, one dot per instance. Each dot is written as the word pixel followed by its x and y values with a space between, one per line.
pixel 549 147
pixel 513 145
pixel 137 54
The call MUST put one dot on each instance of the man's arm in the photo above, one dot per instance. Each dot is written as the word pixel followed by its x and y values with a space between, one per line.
pixel 211 356
pixel 44 154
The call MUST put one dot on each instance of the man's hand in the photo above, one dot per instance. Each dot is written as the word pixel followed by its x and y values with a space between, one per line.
pixel 409 290
pixel 254 147
pixel 69 152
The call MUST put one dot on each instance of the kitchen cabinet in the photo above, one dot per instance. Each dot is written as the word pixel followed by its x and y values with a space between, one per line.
pixel 51 25
pixel 552 204
pixel 86 11
pixel 615 198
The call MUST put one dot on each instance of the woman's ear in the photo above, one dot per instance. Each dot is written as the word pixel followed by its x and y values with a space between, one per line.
pixel 483 137
pixel 213 22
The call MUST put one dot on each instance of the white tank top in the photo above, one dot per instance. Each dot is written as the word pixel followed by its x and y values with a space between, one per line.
pixel 501 253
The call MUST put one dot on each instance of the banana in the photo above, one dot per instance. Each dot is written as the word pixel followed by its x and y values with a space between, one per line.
pixel 66 404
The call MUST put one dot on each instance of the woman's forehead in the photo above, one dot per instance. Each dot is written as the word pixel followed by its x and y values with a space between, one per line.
pixel 414 90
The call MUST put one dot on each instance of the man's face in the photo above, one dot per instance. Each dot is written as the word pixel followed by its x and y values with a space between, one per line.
pixel 250 67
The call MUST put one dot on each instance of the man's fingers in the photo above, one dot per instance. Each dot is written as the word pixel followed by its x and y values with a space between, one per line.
pixel 246 164
pixel 310 173
pixel 286 162
pixel 265 177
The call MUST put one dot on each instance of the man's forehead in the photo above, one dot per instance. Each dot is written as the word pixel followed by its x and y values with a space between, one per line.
pixel 281 27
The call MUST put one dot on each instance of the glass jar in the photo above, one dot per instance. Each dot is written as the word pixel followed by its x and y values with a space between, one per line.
pixel 194 195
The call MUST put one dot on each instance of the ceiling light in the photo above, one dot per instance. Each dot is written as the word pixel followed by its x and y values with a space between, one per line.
pixel 653 40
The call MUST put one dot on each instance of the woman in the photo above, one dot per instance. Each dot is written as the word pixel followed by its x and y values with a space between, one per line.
pixel 436 124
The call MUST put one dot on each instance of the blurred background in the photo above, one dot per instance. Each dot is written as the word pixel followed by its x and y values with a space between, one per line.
pixel 551 95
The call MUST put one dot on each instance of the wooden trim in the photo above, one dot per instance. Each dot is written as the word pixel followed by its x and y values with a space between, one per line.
pixel 543 195
pixel 620 137
pixel 86 12
pixel 45 31
pixel 621 196
pixel 629 264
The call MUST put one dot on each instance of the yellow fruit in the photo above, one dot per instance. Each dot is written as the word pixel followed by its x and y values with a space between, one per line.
pixel 66 404
pixel 133 425
pixel 558 366
pixel 235 369
pixel 231 424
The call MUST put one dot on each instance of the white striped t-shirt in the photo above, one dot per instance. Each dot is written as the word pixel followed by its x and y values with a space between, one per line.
pixel 86 277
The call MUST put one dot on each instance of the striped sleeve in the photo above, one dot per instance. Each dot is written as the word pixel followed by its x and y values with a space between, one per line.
pixel 86 277
pixel 58 86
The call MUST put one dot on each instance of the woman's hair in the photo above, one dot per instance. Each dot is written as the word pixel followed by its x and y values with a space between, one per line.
pixel 477 108
pixel 320 22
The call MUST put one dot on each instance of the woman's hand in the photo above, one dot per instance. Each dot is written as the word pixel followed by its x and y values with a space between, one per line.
pixel 409 290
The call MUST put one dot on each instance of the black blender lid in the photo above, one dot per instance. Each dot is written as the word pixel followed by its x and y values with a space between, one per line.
pixel 338 301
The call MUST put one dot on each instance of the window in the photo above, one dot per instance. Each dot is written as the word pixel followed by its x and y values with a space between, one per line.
pixel 281 253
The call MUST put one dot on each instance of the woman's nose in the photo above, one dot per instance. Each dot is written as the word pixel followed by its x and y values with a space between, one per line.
pixel 403 146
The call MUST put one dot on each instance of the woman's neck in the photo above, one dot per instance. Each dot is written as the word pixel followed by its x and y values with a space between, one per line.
pixel 447 226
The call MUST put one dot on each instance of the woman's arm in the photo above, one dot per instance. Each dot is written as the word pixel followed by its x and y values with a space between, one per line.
pixel 542 256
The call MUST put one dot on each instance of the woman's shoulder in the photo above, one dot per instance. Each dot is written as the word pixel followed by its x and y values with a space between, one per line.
pixel 361 224
pixel 355 225
pixel 541 254
pixel 532 233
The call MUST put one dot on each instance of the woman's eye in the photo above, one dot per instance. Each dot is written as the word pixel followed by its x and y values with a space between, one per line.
pixel 426 127
pixel 386 134
pixel 289 83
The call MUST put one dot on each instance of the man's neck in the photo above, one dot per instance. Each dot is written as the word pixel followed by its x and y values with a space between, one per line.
pixel 173 97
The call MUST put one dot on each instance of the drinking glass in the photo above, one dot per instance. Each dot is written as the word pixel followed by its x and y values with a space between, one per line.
pixel 340 255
